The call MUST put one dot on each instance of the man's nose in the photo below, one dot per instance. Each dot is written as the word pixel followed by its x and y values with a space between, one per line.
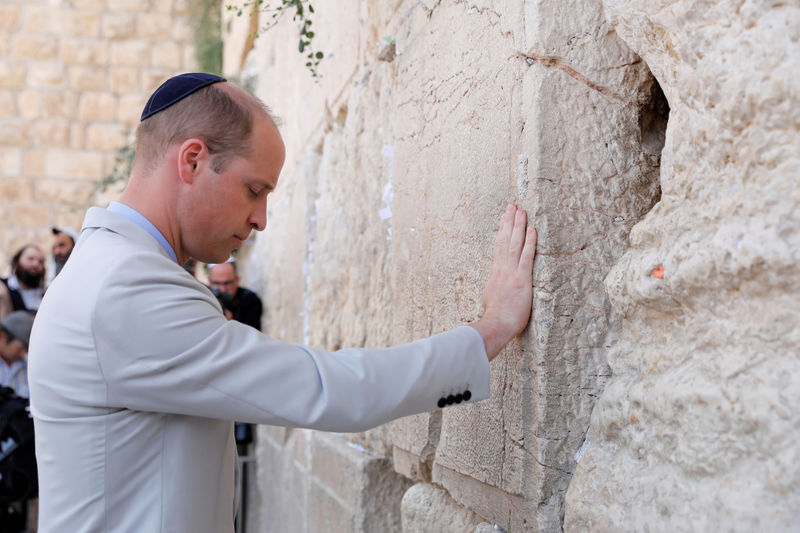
pixel 258 218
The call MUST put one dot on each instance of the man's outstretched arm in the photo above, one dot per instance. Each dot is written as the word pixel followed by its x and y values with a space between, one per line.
pixel 508 295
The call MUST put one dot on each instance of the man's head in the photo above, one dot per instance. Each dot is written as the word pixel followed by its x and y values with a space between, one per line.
pixel 224 278
pixel 63 243
pixel 28 265
pixel 204 166
pixel 15 333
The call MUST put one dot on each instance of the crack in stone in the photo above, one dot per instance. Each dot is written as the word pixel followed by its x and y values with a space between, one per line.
pixel 555 62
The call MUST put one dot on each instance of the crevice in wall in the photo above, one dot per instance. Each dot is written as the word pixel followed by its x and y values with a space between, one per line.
pixel 653 118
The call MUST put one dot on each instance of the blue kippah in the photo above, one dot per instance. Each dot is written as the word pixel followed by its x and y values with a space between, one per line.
pixel 176 89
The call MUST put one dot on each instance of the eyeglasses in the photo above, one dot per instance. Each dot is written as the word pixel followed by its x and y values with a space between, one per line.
pixel 224 283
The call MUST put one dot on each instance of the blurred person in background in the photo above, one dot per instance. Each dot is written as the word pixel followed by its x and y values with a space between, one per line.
pixel 26 283
pixel 64 240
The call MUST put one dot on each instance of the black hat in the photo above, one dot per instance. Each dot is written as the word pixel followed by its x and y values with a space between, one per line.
pixel 176 89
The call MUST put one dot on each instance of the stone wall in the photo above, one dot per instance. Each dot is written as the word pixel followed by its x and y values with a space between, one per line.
pixel 698 428
pixel 400 161
pixel 74 76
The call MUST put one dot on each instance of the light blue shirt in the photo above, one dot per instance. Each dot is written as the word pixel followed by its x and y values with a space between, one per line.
pixel 15 376
pixel 137 218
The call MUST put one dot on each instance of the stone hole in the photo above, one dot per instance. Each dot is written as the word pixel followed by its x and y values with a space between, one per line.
pixel 653 117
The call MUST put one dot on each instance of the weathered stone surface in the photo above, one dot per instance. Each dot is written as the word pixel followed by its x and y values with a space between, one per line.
pixel 154 27
pixel 428 509
pixel 697 429
pixel 39 17
pixel 10 162
pixel 130 53
pixel 166 55
pixel 84 52
pixel 124 80
pixel 30 215
pixel 87 78
pixel 83 24
pixel 50 134
pixel 130 5
pixel 8 104
pixel 97 106
pixel 35 46
pixel 10 16
pixel 311 481
pixel 46 74
pixel 12 74
pixel 64 163
pixel 70 193
pixel 118 26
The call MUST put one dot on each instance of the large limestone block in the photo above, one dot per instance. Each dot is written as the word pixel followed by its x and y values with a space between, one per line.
pixel 428 509
pixel 697 429
pixel 312 481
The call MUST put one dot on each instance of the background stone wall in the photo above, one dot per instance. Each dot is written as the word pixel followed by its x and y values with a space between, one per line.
pixel 399 165
pixel 74 77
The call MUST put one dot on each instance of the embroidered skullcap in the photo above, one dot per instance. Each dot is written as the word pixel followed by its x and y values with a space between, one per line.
pixel 176 89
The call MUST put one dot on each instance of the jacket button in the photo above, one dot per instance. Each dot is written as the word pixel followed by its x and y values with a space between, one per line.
pixel 441 403
pixel 467 395
pixel 451 400
pixel 459 398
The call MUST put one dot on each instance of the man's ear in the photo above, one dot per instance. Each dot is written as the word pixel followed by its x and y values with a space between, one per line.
pixel 192 156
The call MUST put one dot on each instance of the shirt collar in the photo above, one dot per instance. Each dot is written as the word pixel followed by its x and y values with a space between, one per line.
pixel 137 218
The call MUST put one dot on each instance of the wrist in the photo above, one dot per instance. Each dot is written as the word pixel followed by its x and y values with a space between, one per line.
pixel 493 334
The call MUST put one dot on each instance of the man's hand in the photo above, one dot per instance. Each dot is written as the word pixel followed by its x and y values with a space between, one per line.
pixel 508 295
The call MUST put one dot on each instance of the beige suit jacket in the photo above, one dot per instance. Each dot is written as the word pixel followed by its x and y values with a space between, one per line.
pixel 135 376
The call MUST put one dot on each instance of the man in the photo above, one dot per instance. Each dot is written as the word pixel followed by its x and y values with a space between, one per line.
pixel 245 305
pixel 19 468
pixel 133 390
pixel 242 305
pixel 15 332
pixel 26 284
pixel 64 240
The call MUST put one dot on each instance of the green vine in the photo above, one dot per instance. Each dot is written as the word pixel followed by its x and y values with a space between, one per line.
pixel 302 14
pixel 205 20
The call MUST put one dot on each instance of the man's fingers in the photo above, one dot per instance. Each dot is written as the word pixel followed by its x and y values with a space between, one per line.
pixel 517 241
pixel 504 233
pixel 528 251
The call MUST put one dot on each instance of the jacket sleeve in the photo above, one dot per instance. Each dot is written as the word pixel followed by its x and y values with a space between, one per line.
pixel 163 345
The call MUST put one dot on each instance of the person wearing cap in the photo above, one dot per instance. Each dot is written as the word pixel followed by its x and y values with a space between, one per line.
pixel 15 332
pixel 64 240
pixel 136 375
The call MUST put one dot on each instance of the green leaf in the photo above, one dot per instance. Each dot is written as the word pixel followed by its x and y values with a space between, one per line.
pixel 301 46
pixel 319 55
pixel 309 34
pixel 310 8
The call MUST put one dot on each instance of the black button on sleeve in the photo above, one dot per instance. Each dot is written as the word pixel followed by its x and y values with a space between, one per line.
pixel 459 398
pixel 467 395
pixel 441 403
pixel 451 400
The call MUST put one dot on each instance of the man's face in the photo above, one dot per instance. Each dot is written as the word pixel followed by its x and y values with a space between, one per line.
pixel 11 350
pixel 223 278
pixel 222 209
pixel 30 268
pixel 62 247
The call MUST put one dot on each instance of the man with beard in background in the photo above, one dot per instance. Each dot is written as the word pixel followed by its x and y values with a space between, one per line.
pixel 64 240
pixel 26 283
